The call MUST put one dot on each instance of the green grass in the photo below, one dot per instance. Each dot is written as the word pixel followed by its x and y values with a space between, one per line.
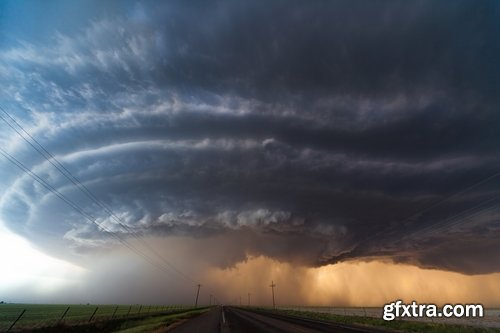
pixel 42 315
pixel 154 323
pixel 396 325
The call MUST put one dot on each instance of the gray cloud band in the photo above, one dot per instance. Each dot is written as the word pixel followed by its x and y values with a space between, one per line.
pixel 315 136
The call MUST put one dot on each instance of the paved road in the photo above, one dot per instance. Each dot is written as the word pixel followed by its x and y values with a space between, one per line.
pixel 208 322
pixel 235 320
pixel 238 320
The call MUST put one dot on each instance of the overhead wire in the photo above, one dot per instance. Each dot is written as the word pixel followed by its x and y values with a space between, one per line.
pixel 36 145
pixel 458 219
pixel 74 206
pixel 435 205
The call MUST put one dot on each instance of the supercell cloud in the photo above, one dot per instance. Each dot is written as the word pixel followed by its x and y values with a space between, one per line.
pixel 310 133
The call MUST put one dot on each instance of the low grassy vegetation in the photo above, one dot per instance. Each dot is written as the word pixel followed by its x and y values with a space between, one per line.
pixel 396 325
pixel 155 323
pixel 38 316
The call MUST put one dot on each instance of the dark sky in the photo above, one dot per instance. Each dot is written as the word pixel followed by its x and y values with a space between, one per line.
pixel 308 132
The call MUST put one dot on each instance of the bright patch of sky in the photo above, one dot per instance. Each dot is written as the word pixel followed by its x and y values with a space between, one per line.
pixel 25 268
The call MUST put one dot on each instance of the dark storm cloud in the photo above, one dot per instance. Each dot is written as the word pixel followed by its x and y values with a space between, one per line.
pixel 309 132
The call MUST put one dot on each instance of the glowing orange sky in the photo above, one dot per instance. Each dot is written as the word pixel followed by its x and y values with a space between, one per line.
pixel 352 284
pixel 345 284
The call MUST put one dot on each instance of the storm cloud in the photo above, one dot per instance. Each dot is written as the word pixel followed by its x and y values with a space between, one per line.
pixel 310 133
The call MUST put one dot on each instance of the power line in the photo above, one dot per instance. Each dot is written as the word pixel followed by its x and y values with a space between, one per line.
pixel 77 208
pixel 67 174
pixel 437 204
pixel 84 189
pixel 458 218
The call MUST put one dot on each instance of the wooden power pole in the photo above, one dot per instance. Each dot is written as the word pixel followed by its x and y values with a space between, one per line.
pixel 197 294
pixel 272 289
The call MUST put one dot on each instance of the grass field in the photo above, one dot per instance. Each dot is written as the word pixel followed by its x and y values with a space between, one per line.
pixel 397 325
pixel 43 315
pixel 154 323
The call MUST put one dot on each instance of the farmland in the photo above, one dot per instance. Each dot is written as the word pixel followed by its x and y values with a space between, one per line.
pixel 490 319
pixel 372 317
pixel 36 316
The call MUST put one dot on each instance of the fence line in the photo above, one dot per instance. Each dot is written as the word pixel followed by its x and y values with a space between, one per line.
pixel 15 321
pixel 114 312
pixel 491 315
pixel 64 314
pixel 93 314
pixel 14 318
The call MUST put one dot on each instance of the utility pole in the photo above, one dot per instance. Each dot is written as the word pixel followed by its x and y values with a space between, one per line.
pixel 210 300
pixel 248 299
pixel 197 294
pixel 272 288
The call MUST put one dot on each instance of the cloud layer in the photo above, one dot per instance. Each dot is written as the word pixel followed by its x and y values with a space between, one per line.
pixel 308 133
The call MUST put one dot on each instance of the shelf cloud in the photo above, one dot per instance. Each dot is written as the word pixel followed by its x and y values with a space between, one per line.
pixel 310 133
